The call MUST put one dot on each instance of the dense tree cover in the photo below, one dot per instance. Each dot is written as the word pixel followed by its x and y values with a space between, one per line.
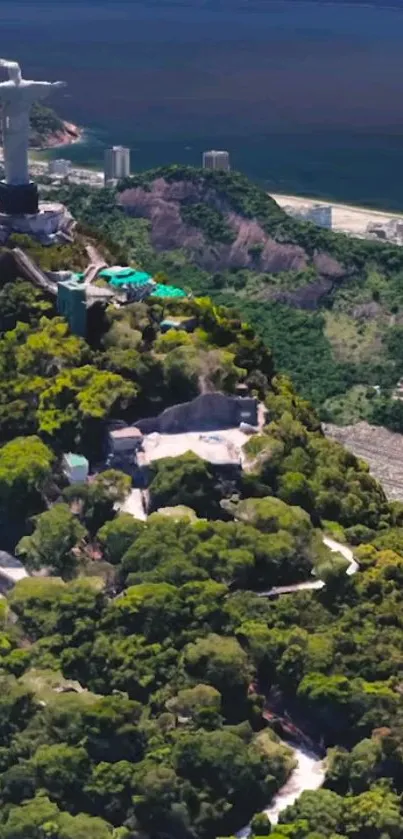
pixel 209 220
pixel 71 256
pixel 178 748
pixel 186 480
pixel 134 674
pixel 322 364
pixel 44 122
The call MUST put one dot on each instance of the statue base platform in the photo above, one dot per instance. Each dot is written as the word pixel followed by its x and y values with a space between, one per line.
pixel 19 199
pixel 52 224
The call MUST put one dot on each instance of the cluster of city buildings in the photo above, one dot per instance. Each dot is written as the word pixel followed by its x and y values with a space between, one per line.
pixel 117 167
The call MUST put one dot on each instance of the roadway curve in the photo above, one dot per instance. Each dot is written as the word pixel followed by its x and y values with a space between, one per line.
pixel 316 585
pixel 310 771
pixel 344 551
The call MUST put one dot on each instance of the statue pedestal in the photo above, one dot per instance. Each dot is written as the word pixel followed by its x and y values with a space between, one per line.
pixel 18 200
pixel 52 224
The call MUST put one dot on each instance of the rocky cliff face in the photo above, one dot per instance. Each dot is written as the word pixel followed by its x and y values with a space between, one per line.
pixel 251 247
pixel 68 133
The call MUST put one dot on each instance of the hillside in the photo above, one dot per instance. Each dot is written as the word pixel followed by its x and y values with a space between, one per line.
pixel 327 305
pixel 146 670
pixel 48 129
pixel 138 659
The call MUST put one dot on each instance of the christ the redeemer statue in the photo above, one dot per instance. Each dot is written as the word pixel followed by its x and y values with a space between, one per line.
pixel 16 97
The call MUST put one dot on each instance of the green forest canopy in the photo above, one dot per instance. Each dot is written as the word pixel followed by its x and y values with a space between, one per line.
pixel 351 338
pixel 133 673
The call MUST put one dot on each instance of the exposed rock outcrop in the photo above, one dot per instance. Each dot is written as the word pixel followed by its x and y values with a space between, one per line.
pixel 251 247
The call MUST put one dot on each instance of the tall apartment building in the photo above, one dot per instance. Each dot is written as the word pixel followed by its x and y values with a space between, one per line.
pixel 117 164
pixel 216 160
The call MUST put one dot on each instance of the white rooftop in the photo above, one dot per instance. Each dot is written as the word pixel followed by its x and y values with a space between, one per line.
pixel 217 447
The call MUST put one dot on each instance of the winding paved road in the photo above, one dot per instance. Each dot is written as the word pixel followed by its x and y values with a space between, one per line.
pixel 316 585
pixel 310 771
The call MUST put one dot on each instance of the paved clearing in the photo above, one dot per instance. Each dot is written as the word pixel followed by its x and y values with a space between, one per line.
pixel 217 447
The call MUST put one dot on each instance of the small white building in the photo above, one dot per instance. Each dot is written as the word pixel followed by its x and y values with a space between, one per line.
pixel 76 468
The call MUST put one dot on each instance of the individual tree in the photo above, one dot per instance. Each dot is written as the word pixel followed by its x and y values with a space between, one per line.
pixel 357 770
pixel 322 810
pixel 17 707
pixel 223 763
pixel 375 813
pixel 27 820
pixel 63 771
pixel 82 826
pixel 49 348
pixel 46 606
pixel 97 499
pixel 186 480
pixel 191 701
pixel 54 541
pixel 118 535
pixel 295 489
pixel 158 789
pixel 25 466
pixel 112 731
pixel 149 609
pixel 111 788
pixel 74 404
pixel 222 663
pixel 260 825
pixel 21 301
pixel 18 783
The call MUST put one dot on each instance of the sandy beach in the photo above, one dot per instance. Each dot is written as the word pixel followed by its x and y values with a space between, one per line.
pixel 345 217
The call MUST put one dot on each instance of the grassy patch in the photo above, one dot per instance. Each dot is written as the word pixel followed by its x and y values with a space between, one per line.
pixel 351 406
pixel 46 684
pixel 352 340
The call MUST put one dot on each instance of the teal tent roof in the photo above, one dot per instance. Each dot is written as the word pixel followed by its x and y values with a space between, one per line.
pixel 125 276
pixel 167 291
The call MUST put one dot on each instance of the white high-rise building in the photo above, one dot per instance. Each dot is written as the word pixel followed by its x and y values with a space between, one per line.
pixel 117 164
pixel 216 160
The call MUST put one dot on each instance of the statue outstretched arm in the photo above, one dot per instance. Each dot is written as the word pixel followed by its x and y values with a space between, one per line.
pixel 42 89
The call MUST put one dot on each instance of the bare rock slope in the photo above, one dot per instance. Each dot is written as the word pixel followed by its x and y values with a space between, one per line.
pixel 249 245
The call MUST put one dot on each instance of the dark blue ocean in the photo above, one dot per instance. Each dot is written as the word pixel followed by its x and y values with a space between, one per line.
pixel 307 97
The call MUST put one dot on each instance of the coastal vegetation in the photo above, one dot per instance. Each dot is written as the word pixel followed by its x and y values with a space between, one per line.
pixel 45 123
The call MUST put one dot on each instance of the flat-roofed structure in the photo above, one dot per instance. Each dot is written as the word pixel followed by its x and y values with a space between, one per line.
pixel 75 467
pixel 125 440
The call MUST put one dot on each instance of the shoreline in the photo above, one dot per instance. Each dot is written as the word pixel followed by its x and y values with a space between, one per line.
pixel 304 200
pixel 346 218
pixel 70 136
